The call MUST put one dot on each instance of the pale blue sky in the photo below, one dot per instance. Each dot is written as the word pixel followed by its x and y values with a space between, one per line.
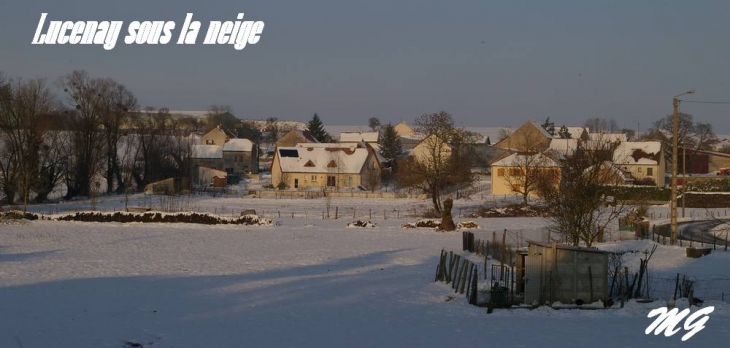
pixel 489 63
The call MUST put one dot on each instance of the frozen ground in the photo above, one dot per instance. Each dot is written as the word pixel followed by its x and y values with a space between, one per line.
pixel 306 283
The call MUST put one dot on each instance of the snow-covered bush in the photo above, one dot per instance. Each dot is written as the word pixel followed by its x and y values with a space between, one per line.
pixel 361 223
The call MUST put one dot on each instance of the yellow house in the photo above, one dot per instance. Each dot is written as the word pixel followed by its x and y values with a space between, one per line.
pixel 530 137
pixel 331 166
pixel 644 160
pixel 512 174
pixel 432 151
pixel 215 136
pixel 403 130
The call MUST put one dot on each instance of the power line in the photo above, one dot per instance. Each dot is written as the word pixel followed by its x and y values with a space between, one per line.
pixel 705 102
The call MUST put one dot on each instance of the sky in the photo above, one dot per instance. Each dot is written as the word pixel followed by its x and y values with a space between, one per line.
pixel 488 63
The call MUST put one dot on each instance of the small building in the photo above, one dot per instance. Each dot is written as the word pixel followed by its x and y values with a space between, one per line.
pixel 204 176
pixel 210 156
pixel 169 186
pixel 241 157
pixel 564 273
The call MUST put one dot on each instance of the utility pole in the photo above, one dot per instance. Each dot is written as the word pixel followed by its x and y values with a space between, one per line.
pixel 675 149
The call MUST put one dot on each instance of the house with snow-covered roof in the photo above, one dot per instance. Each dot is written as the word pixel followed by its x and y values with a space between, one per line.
pixel 210 156
pixel 241 157
pixel 331 166
pixel 508 173
pixel 644 160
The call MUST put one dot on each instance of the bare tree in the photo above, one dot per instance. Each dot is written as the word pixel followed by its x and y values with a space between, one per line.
pixel 85 95
pixel 525 171
pixel 601 125
pixel 690 136
pixel 25 107
pixel 504 133
pixel 579 209
pixel 117 102
pixel 439 164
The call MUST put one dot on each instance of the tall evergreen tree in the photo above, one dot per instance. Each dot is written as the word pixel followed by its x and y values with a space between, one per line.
pixel 564 133
pixel 549 126
pixel 390 145
pixel 316 129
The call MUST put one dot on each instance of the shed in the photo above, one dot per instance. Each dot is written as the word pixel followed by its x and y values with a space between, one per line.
pixel 564 273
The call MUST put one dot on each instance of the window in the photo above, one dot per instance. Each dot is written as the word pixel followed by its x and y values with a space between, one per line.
pixel 209 142
pixel 296 183
pixel 347 181
pixel 314 178
pixel 500 172
pixel 331 181
pixel 649 171
pixel 638 169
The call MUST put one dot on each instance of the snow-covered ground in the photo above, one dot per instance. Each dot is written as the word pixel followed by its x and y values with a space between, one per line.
pixel 308 282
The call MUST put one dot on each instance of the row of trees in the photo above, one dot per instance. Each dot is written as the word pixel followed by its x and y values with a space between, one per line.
pixel 76 137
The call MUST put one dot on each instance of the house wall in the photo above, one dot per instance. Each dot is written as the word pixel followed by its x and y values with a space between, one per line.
pixel 371 174
pixel 555 274
pixel 639 172
pixel 240 162
pixel 500 184
pixel 214 137
pixel 291 139
pixel 319 180
pixel 430 149
pixel 716 162
pixel 203 176
pixel 215 163
pixel 525 138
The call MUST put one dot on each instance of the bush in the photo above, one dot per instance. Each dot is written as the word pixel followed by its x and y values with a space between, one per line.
pixel 17 215
pixel 196 218
pixel 361 223
pixel 632 193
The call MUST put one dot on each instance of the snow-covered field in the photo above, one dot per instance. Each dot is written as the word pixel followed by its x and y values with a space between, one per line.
pixel 305 283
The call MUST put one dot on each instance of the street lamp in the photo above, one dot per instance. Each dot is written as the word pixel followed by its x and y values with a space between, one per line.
pixel 675 149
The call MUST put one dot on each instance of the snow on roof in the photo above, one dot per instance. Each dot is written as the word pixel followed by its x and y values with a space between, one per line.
pixel 493 133
pixel 607 137
pixel 517 159
pixel 335 129
pixel 564 146
pixel 207 151
pixel 317 159
pixel 576 132
pixel 238 145
pixel 188 113
pixel 371 137
pixel 638 152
